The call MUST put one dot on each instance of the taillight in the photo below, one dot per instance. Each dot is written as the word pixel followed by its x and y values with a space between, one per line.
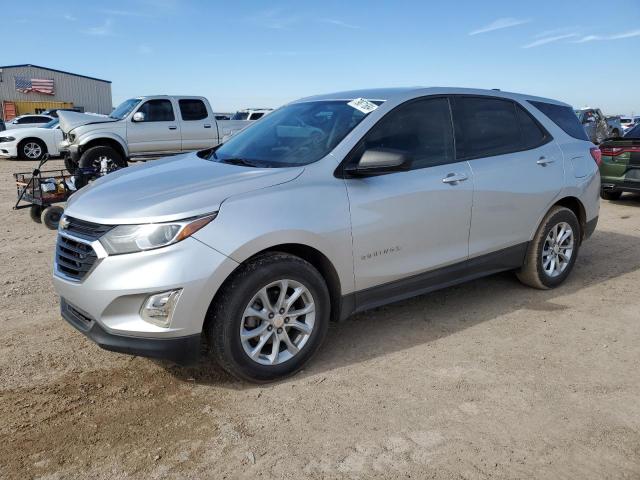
pixel 597 155
pixel 614 151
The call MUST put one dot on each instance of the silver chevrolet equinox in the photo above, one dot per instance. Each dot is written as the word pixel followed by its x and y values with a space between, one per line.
pixel 330 205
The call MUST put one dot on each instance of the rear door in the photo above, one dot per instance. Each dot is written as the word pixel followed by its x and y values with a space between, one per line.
pixel 198 126
pixel 159 132
pixel 407 223
pixel 517 171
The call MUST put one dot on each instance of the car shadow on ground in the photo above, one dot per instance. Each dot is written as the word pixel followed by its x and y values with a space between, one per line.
pixel 430 317
pixel 628 199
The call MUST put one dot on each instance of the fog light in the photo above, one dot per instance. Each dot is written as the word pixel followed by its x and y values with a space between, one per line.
pixel 158 308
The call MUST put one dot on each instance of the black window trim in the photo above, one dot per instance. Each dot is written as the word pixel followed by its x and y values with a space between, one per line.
pixel 547 136
pixel 350 157
pixel 173 110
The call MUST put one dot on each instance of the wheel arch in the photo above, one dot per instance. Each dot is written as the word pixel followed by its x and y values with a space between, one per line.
pixel 108 141
pixel 310 254
pixel 577 207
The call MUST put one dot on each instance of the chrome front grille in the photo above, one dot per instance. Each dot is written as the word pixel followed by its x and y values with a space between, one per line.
pixel 74 259
pixel 85 230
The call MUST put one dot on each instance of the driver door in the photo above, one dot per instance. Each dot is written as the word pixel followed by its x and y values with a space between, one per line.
pixel 158 132
pixel 406 224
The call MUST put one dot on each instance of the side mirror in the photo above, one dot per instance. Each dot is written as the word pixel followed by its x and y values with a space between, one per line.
pixel 138 117
pixel 376 161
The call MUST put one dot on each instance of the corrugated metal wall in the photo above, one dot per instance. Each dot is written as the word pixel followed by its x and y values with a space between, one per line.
pixel 93 95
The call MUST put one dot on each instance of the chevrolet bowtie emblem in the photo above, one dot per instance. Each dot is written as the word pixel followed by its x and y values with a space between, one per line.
pixel 64 223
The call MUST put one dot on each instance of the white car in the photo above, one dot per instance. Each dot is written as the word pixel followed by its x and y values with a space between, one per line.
pixel 251 113
pixel 627 123
pixel 31 143
pixel 28 121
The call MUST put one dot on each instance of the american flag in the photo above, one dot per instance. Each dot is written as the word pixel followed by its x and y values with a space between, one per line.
pixel 37 85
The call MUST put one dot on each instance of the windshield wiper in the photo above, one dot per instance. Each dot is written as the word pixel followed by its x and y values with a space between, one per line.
pixel 238 161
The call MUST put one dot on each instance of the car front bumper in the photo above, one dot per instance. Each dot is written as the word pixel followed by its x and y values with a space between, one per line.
pixel 9 150
pixel 105 305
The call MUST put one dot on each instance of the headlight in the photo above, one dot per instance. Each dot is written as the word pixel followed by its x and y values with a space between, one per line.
pixel 72 137
pixel 136 238
pixel 6 139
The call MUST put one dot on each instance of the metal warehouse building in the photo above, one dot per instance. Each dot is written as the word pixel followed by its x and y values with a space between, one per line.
pixel 33 89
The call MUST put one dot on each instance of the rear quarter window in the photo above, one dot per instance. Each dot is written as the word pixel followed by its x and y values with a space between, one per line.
pixel 563 117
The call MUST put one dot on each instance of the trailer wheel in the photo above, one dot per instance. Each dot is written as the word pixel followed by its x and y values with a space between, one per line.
pixel 34 212
pixel 51 216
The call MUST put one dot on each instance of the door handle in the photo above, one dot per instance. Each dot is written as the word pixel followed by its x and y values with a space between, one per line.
pixel 454 178
pixel 543 161
pixel 207 126
pixel 173 128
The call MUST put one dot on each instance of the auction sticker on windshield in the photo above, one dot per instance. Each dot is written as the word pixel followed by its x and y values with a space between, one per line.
pixel 362 104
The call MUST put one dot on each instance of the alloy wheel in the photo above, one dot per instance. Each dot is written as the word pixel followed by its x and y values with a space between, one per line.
pixel 32 150
pixel 277 322
pixel 558 249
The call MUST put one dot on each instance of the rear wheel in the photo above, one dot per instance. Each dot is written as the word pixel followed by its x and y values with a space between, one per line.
pixel 51 216
pixel 96 162
pixel 32 149
pixel 269 318
pixel 610 194
pixel 553 251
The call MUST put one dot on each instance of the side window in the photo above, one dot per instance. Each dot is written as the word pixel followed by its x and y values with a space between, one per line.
pixel 485 127
pixel 192 109
pixel 420 128
pixel 255 116
pixel 41 119
pixel 563 117
pixel 157 111
pixel 532 134
pixel 23 121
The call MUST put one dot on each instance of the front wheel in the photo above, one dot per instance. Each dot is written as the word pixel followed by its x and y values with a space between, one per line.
pixel 96 162
pixel 553 251
pixel 269 318
pixel 32 149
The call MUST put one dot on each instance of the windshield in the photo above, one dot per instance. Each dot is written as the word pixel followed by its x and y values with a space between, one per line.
pixel 240 116
pixel 51 124
pixel 124 108
pixel 297 134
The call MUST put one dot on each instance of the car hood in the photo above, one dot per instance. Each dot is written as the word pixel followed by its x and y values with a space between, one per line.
pixel 170 189
pixel 71 120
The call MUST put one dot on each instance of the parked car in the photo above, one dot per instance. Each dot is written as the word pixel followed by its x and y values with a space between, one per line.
pixel 620 169
pixel 627 123
pixel 28 121
pixel 142 127
pixel 251 113
pixel 597 126
pixel 615 126
pixel 32 143
pixel 259 242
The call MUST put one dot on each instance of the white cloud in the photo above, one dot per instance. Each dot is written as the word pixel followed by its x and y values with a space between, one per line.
pixel 615 36
pixel 100 30
pixel 499 24
pixel 340 23
pixel 69 17
pixel 544 41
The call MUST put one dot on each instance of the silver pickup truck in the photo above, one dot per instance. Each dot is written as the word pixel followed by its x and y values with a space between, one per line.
pixel 150 126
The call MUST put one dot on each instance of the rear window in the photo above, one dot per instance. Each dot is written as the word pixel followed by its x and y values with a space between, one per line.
pixel 533 135
pixel 485 127
pixel 192 109
pixel 563 117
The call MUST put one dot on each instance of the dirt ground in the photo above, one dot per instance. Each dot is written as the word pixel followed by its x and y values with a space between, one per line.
pixel 485 380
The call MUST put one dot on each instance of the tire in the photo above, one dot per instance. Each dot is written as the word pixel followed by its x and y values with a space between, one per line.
pixel 51 216
pixel 533 271
pixel 91 160
pixel 610 194
pixel 70 165
pixel 226 317
pixel 35 212
pixel 32 149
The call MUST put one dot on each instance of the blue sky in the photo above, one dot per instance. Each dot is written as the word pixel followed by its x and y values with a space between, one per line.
pixel 253 53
